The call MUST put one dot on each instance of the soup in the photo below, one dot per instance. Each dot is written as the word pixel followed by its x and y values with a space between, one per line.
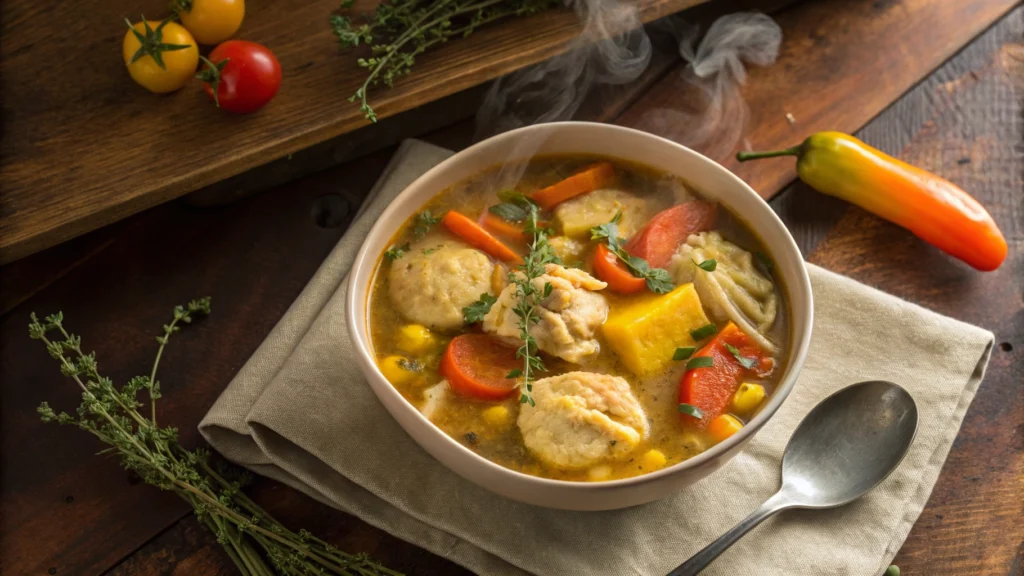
pixel 599 321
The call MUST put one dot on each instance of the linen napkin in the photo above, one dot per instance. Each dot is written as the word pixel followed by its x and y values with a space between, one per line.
pixel 300 412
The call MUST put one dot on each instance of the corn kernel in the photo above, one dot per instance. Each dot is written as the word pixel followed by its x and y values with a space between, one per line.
pixel 413 338
pixel 599 473
pixel 496 417
pixel 724 426
pixel 396 370
pixel 653 460
pixel 747 398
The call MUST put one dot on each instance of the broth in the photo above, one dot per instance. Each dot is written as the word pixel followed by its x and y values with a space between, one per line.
pixel 410 354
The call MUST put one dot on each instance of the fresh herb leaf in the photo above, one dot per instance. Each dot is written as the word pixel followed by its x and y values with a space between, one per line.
pixel 683 353
pixel 658 280
pixel 508 211
pixel 765 261
pixel 691 410
pixel 746 362
pixel 117 416
pixel 528 298
pixel 700 362
pixel 476 311
pixel 396 252
pixel 707 265
pixel 409 365
pixel 471 437
pixel 703 332
pixel 424 222
pixel 430 251
pixel 345 4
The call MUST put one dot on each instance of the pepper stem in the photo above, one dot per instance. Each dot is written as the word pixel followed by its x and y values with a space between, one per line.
pixel 744 156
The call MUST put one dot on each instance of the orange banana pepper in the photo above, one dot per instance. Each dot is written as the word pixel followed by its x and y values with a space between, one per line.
pixel 934 209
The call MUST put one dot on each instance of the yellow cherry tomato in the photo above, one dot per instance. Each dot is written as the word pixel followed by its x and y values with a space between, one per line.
pixel 211 21
pixel 160 56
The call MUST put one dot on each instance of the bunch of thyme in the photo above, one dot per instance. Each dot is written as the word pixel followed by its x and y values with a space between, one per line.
pixel 258 544
pixel 399 30
pixel 528 298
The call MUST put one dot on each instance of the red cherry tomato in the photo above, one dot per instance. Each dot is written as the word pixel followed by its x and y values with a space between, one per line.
pixel 246 76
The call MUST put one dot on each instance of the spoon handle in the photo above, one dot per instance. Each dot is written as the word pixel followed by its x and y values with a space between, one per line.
pixel 700 560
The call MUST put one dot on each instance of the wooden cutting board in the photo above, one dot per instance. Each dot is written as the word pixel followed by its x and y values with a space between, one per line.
pixel 83 146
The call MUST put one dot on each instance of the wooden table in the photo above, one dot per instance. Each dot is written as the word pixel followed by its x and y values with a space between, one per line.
pixel 65 511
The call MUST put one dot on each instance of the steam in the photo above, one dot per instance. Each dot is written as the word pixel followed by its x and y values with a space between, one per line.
pixel 714 121
pixel 612 48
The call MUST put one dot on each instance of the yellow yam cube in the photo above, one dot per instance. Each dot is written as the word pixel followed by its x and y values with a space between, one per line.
pixel 653 460
pixel 646 330
pixel 413 338
pixel 747 398
pixel 724 426
pixel 399 369
pixel 496 417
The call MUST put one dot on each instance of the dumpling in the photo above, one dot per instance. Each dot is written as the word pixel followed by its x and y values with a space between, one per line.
pixel 582 418
pixel 436 279
pixel 568 318
pixel 735 291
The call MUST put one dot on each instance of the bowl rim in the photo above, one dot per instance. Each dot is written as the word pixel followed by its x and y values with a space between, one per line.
pixel 799 347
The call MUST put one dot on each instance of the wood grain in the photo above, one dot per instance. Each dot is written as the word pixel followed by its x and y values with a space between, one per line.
pixel 254 256
pixel 83 146
pixel 841 63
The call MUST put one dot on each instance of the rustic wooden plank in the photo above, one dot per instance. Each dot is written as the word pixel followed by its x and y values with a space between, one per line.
pixel 74 157
pixel 841 63
pixel 253 258
pixel 965 123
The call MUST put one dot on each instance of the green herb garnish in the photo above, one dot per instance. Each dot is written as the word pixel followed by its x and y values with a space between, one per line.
pixel 746 362
pixel 430 251
pixel 476 311
pixel 471 437
pixel 424 221
pixel 658 280
pixel 409 365
pixel 514 373
pixel 528 298
pixel 703 332
pixel 691 410
pixel 508 211
pixel 513 197
pixel 400 30
pixel 396 252
pixel 700 362
pixel 254 540
pixel 683 353
pixel 707 265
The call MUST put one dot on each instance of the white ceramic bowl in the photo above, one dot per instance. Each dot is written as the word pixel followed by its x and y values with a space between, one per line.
pixel 710 179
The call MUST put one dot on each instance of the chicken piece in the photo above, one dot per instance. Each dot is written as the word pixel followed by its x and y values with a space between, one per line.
pixel 576 217
pixel 436 279
pixel 568 318
pixel 580 419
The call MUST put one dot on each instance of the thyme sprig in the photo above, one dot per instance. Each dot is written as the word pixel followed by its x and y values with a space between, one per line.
pixel 258 544
pixel 399 30
pixel 528 298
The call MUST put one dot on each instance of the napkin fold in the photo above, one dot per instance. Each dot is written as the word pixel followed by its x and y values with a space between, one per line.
pixel 301 412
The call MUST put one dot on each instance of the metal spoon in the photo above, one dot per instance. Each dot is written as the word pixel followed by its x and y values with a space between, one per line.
pixel 844 447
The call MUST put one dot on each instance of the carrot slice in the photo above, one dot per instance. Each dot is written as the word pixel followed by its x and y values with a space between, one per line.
pixel 608 268
pixel 589 179
pixel 476 366
pixel 660 238
pixel 477 237
pixel 510 230
pixel 711 389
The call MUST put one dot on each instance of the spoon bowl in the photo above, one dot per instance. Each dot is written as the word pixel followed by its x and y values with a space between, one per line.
pixel 848 444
